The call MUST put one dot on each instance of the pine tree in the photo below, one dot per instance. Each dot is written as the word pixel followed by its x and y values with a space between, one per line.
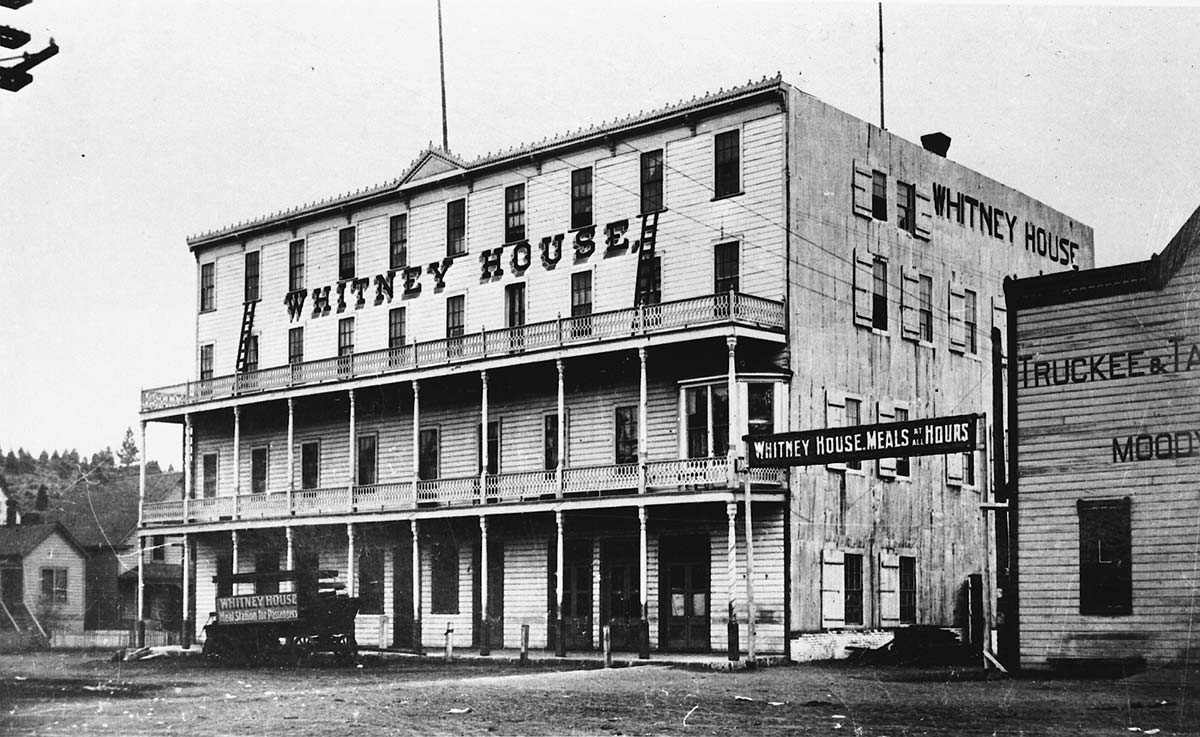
pixel 128 452
pixel 43 499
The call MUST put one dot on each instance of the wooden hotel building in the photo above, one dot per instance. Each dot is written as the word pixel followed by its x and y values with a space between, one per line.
pixel 511 391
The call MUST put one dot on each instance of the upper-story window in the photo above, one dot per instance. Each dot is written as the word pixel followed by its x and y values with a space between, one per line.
pixel 878 195
pixel 456 227
pixel 760 406
pixel 456 308
pixel 514 305
pixel 296 265
pixel 252 260
pixel 903 463
pixel 626 434
pixel 158 548
pixel 296 345
pixel 649 280
pixel 252 353
pixel 208 481
pixel 428 450
pixel 879 294
pixel 706 412
pixel 366 459
pixel 652 181
pixel 346 336
pixel 310 464
pixel 725 267
pixel 514 213
pixel 727 164
pixel 396 320
pixel 206 362
pixel 581 198
pixel 259 458
pixel 853 418
pixel 208 286
pixel 970 321
pixel 398 241
pixel 906 206
pixel 346 253
pixel 925 314
pixel 581 293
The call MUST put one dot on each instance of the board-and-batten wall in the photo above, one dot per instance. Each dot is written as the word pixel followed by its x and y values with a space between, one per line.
pixel 1066 454
pixel 691 225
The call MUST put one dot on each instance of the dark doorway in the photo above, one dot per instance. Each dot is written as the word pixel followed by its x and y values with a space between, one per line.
pixel 495 574
pixel 577 594
pixel 620 602
pixel 402 597
pixel 685 566
pixel 12 587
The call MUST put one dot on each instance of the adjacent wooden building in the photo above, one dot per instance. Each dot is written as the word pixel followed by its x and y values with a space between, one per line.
pixel 511 391
pixel 1106 397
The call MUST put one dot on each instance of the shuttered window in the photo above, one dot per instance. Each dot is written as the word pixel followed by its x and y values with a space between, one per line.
pixel 853 589
pixel 956 310
pixel 878 195
pixel 925 302
pixel 1105 542
pixel 879 294
pixel 864 289
pixel 902 467
pixel 833 583
pixel 889 589
pixel 906 207
pixel 908 589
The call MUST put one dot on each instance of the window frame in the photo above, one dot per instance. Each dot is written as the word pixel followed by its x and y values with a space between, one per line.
pixel 263 452
pixel 370 575
pixel 715 435
pixel 361 478
pixel 549 438
pixel 515 318
pixel 906 207
pixel 970 322
pixel 582 211
pixel 907 594
pixel 727 164
pixel 456 227
pixel 925 309
pixel 854 595
pixel 494 466
pixel 651 179
pixel 315 445
pixel 514 213
pixel 879 198
pixel 296 345
pixel 252 276
pixel 347 253
pixel 456 306
pixel 623 456
pixel 398 241
pixel 57 590
pixel 345 337
pixel 207 353
pixel 724 255
pixel 210 490
pixel 436 447
pixel 296 258
pixel 879 293
pixel 251 364
pixel 445 585
pixel 208 286
pixel 397 318
pixel 158 551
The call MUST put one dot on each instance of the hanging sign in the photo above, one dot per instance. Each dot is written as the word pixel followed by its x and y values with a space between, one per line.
pixel 930 436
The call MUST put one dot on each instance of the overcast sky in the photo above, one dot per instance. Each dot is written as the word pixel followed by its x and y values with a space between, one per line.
pixel 159 120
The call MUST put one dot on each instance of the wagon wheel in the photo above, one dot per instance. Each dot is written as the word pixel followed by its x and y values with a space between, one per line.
pixel 345 649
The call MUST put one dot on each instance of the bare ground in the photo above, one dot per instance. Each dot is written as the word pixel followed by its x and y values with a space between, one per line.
pixel 84 694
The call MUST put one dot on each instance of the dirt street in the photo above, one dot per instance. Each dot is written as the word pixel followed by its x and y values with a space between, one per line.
pixel 84 694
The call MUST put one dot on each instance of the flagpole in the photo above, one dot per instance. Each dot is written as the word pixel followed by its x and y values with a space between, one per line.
pixel 442 68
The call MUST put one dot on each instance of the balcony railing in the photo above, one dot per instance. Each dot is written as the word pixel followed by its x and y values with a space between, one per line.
pixel 731 308
pixel 622 479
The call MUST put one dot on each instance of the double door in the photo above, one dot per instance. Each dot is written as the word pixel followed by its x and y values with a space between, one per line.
pixel 577 594
pixel 620 592
pixel 685 583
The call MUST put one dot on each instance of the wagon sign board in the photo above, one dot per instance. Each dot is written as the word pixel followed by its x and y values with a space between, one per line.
pixel 930 436
pixel 256 608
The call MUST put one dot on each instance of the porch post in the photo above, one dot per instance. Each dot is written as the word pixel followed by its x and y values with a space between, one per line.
pixel 188 478
pixel 416 585
pixel 416 456
pixel 485 645
pixel 560 641
pixel 187 634
pixel 731 574
pixel 562 428
pixel 353 465
pixel 750 613
pixel 734 405
pixel 351 568
pixel 483 435
pixel 644 583
pixel 291 549
pixel 140 638
pixel 291 461
pixel 642 421
pixel 233 535
pixel 237 465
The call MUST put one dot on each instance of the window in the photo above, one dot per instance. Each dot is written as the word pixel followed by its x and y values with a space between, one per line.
pixel 346 253
pixel 903 465
pixel 652 181
pixel 514 305
pixel 398 241
pixel 760 400
pixel 925 314
pixel 878 195
pixel 456 308
pixel 493 448
pixel 346 336
pixel 206 362
pixel 370 581
pixel 396 319
pixel 54 585
pixel 908 589
pixel 581 198
pixel 443 563
pixel 514 213
pixel 879 295
pixel 252 276
pixel 366 460
pixel 550 441
pixel 1105 542
pixel 266 563
pixel 252 353
pixel 706 414
pixel 853 417
pixel 295 346
pixel 727 166
pixel 295 265
pixel 970 320
pixel 968 468
pixel 853 589
pixel 627 434
pixel 581 303
pixel 725 268
pixel 427 454
pixel 456 227
pixel 649 280
pixel 906 206
pixel 258 470
pixel 310 465
pixel 208 287
pixel 158 548
pixel 209 467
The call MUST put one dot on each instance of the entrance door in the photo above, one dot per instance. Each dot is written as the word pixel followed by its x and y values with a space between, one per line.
pixel 685 573
pixel 402 598
pixel 620 603
pixel 12 587
pixel 577 594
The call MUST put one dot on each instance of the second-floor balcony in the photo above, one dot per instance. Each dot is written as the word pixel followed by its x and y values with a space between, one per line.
pixel 713 310
pixel 626 479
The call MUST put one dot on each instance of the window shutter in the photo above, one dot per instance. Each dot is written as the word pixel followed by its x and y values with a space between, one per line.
pixel 1000 322
pixel 861 189
pixel 889 590
pixel 864 283
pixel 887 466
pixel 954 469
pixel 957 307
pixel 833 584
pixel 910 296
pixel 924 221
pixel 835 416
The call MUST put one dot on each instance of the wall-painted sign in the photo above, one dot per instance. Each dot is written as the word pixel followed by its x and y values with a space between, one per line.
pixel 975 214
pixel 1156 446
pixel 1176 356
pixel 252 608
pixel 931 436
pixel 334 297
